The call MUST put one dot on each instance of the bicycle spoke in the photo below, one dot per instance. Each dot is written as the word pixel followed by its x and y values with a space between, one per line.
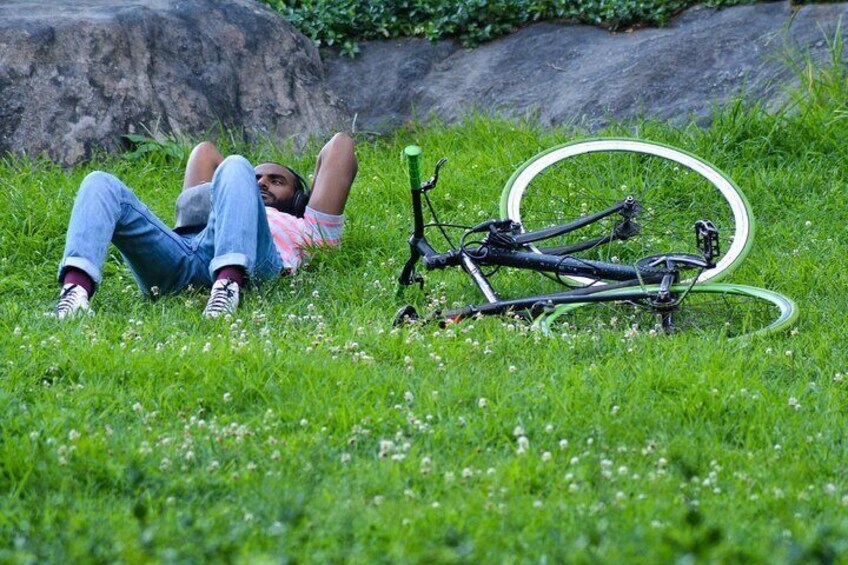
pixel 672 198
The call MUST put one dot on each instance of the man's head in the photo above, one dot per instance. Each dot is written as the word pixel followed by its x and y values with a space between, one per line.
pixel 282 188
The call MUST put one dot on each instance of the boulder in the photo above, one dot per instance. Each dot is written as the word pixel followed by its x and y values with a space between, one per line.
pixel 561 73
pixel 76 75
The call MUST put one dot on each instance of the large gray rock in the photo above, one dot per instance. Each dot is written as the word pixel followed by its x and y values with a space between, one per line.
pixel 77 74
pixel 561 73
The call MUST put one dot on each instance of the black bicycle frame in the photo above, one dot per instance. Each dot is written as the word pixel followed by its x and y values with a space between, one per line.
pixel 517 254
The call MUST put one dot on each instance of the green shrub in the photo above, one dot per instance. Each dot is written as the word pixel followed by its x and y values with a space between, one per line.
pixel 341 23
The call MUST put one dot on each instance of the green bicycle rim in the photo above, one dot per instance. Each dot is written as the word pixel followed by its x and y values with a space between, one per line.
pixel 785 311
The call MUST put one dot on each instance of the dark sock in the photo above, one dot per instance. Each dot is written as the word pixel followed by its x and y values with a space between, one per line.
pixel 233 273
pixel 79 277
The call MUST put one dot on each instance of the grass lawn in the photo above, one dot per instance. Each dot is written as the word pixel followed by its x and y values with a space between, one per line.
pixel 309 430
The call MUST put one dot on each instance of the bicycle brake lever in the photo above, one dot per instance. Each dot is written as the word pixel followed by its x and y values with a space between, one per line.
pixel 431 182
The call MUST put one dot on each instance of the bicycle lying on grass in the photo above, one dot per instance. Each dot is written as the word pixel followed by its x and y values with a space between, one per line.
pixel 647 253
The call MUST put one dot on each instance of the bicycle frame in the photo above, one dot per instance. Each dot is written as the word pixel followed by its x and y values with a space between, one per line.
pixel 503 246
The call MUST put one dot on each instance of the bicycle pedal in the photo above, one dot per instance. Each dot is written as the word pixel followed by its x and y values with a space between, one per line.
pixel 707 240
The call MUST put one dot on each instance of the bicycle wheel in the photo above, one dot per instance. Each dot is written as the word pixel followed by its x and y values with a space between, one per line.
pixel 729 310
pixel 674 189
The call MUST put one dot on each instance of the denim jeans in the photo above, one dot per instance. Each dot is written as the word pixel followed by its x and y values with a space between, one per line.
pixel 237 233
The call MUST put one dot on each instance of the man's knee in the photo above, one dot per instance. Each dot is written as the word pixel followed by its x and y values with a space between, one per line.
pixel 236 161
pixel 235 166
pixel 235 176
pixel 100 183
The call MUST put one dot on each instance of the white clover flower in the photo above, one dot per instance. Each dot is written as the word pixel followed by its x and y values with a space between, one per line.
pixel 518 431
pixel 512 368
pixel 523 445
pixel 794 404
pixel 467 473
pixel 563 444
pixel 227 397
pixel 73 435
pixel 546 456
pixel 386 447
pixel 408 396
pixel 482 402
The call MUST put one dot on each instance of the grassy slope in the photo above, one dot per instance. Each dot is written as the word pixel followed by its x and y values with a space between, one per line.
pixel 147 433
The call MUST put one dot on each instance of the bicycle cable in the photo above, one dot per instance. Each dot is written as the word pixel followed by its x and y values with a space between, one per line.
pixel 464 247
pixel 437 223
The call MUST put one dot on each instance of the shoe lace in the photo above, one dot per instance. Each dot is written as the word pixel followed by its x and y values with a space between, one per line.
pixel 221 298
pixel 68 299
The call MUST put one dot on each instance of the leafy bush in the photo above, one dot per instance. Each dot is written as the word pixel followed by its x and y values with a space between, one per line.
pixel 341 23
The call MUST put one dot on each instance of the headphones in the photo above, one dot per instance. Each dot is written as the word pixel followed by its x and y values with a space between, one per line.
pixel 300 198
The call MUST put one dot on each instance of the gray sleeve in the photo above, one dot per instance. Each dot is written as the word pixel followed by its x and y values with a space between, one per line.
pixel 193 206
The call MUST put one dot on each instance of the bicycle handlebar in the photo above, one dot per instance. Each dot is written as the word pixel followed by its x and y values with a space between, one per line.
pixel 413 157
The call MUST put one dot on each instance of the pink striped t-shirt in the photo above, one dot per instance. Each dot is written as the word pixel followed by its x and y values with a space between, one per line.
pixel 295 237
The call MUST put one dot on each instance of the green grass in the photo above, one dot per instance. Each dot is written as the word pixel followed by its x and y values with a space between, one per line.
pixel 309 430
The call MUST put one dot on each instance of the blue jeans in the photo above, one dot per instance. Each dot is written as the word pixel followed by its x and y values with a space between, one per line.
pixel 237 233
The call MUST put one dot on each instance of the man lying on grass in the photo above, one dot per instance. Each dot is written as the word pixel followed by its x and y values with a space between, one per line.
pixel 261 224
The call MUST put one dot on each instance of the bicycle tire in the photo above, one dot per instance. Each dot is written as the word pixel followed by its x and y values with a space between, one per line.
pixel 738 312
pixel 675 189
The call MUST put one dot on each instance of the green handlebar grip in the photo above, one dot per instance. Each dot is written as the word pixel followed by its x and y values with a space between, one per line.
pixel 413 157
